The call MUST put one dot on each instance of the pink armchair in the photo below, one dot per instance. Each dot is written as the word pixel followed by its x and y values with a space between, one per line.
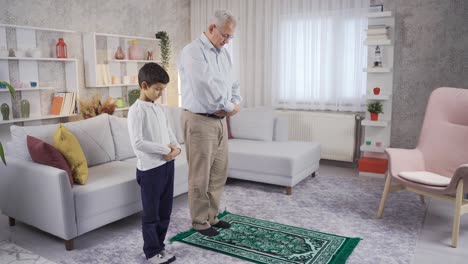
pixel 440 159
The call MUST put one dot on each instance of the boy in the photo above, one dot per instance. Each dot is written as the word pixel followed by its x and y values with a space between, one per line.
pixel 156 147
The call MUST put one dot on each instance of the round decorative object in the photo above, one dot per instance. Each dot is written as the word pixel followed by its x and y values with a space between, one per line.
pixel 25 108
pixel 133 95
pixel 376 90
pixel 5 109
pixel 120 103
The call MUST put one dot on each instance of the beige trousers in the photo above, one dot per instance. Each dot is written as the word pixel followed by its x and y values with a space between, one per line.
pixel 207 155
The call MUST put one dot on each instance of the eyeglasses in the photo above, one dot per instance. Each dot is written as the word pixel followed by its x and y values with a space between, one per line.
pixel 225 36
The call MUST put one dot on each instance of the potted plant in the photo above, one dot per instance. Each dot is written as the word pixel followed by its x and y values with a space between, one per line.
pixel 165 45
pixel 375 109
pixel 12 92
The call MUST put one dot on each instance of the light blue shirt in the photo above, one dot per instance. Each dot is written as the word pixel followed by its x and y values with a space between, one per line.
pixel 206 76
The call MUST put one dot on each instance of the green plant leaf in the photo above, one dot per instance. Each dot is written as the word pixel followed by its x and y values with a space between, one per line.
pixel 2 154
pixel 10 88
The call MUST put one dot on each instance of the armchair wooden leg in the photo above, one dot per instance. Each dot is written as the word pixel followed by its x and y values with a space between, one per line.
pixel 12 221
pixel 69 245
pixel 383 200
pixel 457 215
pixel 313 174
pixel 421 198
pixel 288 190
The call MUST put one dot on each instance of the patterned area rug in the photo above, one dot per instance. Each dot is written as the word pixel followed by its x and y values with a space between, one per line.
pixel 261 241
pixel 13 254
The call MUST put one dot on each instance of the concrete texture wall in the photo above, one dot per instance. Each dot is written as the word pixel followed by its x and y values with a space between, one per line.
pixel 124 17
pixel 431 51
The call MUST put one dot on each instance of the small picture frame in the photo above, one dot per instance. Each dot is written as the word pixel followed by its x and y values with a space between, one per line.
pixel 375 8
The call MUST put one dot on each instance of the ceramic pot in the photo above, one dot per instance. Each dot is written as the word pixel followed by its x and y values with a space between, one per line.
pixel 119 54
pixel 376 90
pixel 374 116
pixel 5 109
pixel 120 103
pixel 25 107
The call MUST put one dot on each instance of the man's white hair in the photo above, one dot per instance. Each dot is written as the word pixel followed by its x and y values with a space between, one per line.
pixel 221 17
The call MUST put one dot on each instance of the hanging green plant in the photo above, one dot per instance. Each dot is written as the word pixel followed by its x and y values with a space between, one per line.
pixel 165 45
pixel 12 92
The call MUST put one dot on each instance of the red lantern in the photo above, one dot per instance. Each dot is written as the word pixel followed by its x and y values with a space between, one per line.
pixel 61 49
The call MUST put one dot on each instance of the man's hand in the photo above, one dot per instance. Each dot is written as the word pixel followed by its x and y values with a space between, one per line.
pixel 174 153
pixel 235 111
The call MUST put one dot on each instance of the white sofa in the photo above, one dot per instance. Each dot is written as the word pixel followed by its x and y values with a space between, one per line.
pixel 41 196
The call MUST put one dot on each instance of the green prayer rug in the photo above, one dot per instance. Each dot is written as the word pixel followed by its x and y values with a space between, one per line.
pixel 260 241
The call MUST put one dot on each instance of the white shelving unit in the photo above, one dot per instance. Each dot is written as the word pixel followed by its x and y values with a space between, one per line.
pixel 101 65
pixel 378 132
pixel 27 69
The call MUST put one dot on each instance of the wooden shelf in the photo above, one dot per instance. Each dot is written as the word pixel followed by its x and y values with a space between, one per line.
pixel 137 61
pixel 34 118
pixel 377 70
pixel 380 97
pixel 386 14
pixel 114 85
pixel 122 109
pixel 35 59
pixel 375 42
pixel 27 89
pixel 124 36
pixel 38 28
pixel 372 148
pixel 371 123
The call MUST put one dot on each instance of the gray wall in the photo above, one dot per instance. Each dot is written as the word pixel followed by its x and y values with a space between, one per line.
pixel 431 42
pixel 431 51
pixel 125 17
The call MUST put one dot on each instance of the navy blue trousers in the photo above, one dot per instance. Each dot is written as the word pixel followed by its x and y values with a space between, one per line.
pixel 157 189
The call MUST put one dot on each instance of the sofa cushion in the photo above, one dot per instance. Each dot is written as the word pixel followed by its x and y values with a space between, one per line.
pixel 46 154
pixel 253 123
pixel 110 185
pixel 19 148
pixel 95 138
pixel 123 146
pixel 426 177
pixel 70 148
pixel 286 158
pixel 174 114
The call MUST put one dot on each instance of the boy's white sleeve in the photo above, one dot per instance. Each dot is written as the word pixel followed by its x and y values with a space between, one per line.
pixel 135 130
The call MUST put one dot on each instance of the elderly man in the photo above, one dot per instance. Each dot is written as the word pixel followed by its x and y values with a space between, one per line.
pixel 209 94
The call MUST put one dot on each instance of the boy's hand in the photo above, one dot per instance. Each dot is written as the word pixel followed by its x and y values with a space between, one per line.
pixel 174 152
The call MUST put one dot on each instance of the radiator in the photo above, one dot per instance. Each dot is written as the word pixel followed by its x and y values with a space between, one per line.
pixel 339 134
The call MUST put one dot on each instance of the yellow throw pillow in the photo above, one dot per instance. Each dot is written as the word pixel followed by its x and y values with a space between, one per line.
pixel 70 148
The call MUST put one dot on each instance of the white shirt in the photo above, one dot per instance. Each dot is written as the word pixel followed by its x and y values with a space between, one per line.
pixel 150 134
pixel 206 75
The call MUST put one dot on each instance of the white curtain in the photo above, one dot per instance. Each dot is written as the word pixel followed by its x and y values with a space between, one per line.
pixel 295 54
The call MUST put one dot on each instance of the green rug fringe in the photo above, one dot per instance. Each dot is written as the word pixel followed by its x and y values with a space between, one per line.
pixel 346 251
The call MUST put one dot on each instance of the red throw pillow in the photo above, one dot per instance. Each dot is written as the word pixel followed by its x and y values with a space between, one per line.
pixel 46 154
pixel 229 127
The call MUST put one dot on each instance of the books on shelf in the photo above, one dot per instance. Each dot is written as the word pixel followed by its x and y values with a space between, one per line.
pixel 377 32
pixel 63 104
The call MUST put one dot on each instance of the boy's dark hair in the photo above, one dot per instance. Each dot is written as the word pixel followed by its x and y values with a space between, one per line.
pixel 152 73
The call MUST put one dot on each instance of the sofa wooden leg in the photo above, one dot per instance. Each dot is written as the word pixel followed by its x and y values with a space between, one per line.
pixel 313 175
pixel 288 190
pixel 12 221
pixel 69 245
